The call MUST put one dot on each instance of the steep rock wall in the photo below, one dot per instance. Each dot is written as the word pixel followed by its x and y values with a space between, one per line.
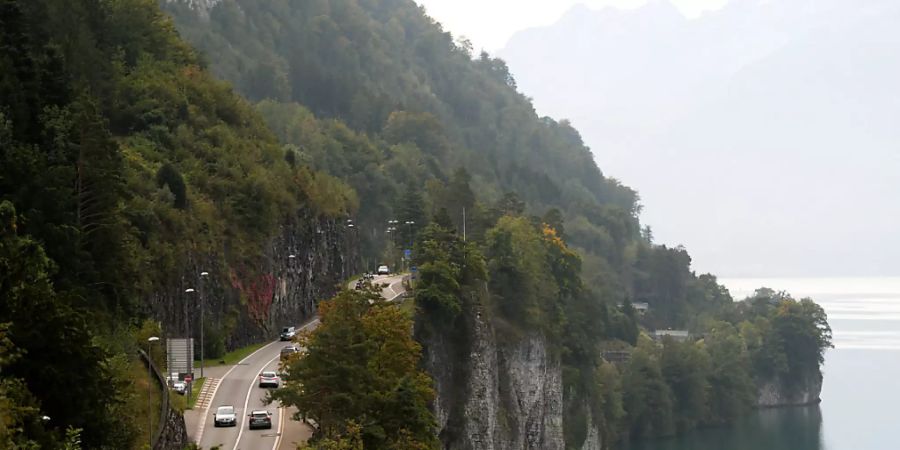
pixel 492 395
pixel 777 393
pixel 252 303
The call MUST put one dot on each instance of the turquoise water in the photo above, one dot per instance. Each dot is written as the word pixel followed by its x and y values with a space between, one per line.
pixel 862 376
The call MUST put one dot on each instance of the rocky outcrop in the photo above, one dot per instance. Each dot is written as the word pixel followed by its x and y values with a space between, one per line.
pixel 532 395
pixel 776 393
pixel 249 302
pixel 495 395
pixel 593 440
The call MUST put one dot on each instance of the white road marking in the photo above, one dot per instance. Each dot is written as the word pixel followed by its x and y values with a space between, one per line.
pixel 253 383
pixel 247 403
pixel 212 397
pixel 280 428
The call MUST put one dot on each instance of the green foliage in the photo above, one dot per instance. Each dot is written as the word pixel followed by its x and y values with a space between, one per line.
pixel 67 372
pixel 169 177
pixel 448 268
pixel 686 369
pixel 124 159
pixel 411 103
pixel 647 398
pixel 361 364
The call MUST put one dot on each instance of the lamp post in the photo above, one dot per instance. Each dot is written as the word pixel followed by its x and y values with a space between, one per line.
pixel 191 336
pixel 392 229
pixel 203 276
pixel 409 224
pixel 150 342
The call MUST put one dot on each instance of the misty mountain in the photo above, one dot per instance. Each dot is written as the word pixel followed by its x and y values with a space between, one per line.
pixel 761 135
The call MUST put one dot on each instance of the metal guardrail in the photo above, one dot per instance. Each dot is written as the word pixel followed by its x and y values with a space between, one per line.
pixel 164 410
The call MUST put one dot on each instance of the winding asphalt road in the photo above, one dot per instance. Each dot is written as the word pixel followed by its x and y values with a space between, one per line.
pixel 238 387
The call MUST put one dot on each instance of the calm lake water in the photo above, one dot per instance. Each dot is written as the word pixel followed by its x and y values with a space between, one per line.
pixel 862 376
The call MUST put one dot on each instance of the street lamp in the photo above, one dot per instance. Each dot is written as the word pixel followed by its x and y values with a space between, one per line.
pixel 191 336
pixel 203 275
pixel 409 224
pixel 150 342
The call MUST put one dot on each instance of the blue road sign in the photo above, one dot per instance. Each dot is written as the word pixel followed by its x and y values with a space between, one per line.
pixel 407 253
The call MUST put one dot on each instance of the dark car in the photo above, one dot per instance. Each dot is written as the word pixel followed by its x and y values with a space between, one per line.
pixel 260 419
pixel 288 333
pixel 287 351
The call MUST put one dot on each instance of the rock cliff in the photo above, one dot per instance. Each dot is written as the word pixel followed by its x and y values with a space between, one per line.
pixel 301 266
pixel 777 393
pixel 496 394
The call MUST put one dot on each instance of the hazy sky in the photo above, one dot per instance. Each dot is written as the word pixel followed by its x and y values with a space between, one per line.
pixel 489 23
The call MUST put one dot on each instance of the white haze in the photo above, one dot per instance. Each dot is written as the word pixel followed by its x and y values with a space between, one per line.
pixel 762 136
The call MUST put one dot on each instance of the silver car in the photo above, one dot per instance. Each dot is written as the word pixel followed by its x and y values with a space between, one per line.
pixel 269 379
pixel 225 417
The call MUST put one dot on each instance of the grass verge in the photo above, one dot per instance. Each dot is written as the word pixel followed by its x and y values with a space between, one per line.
pixel 232 357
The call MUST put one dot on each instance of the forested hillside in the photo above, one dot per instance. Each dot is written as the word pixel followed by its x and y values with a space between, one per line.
pixel 126 169
pixel 420 106
pixel 123 166
pixel 529 257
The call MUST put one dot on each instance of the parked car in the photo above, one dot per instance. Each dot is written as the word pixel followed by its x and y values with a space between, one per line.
pixel 260 419
pixel 288 333
pixel 384 270
pixel 269 379
pixel 287 351
pixel 180 387
pixel 224 416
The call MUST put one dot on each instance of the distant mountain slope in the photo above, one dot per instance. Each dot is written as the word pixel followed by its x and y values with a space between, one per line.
pixel 387 70
pixel 744 115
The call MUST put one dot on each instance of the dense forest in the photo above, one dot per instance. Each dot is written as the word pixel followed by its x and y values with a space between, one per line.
pixel 123 161
pixel 120 159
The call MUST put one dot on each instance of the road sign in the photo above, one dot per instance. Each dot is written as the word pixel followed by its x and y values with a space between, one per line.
pixel 407 253
pixel 188 379
pixel 180 354
pixel 413 269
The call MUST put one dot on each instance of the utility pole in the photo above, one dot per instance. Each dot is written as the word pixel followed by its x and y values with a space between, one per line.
pixel 203 276
pixel 464 224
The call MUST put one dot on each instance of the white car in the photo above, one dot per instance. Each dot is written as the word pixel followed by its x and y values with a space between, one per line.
pixel 225 417
pixel 177 385
pixel 269 379
pixel 384 270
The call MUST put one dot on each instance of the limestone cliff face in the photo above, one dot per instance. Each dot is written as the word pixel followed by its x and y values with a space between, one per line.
pixel 251 303
pixel 593 440
pixel 494 395
pixel 777 393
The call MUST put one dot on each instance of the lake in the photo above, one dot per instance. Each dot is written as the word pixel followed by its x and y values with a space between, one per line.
pixel 862 373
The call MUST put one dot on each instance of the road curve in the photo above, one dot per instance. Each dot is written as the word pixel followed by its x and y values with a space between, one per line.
pixel 238 387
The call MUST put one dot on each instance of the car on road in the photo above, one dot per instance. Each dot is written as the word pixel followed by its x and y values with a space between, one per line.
pixel 289 350
pixel 288 333
pixel 384 270
pixel 180 387
pixel 269 379
pixel 224 416
pixel 260 419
